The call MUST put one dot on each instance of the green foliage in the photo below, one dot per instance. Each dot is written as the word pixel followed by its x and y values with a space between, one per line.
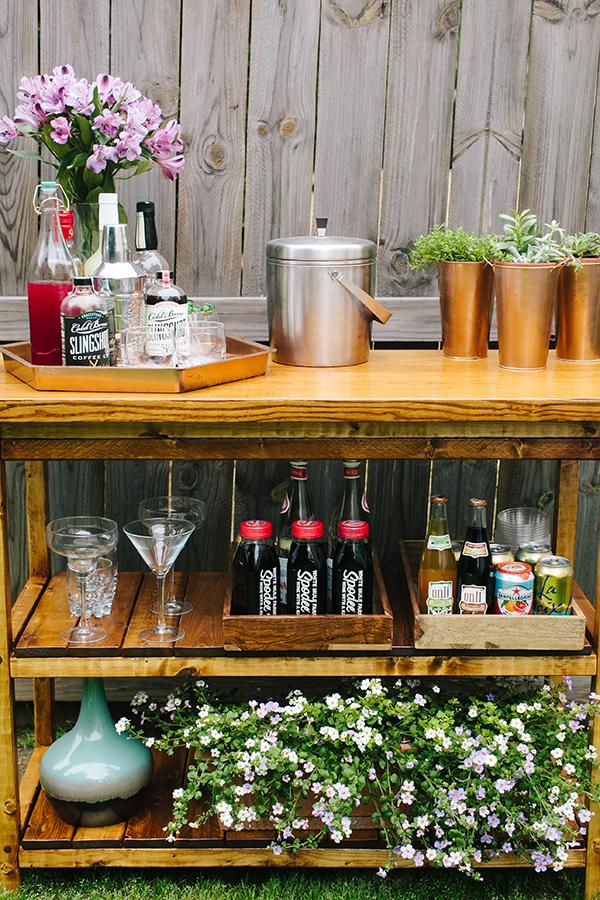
pixel 524 240
pixel 451 777
pixel 582 245
pixel 444 244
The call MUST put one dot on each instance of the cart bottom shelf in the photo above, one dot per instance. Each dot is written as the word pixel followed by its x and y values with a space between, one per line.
pixel 48 842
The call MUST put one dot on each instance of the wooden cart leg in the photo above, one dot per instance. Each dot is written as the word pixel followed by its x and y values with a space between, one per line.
pixel 39 564
pixel 9 787
pixel 592 871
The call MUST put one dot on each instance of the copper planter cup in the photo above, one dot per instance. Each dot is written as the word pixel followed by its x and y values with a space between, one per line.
pixel 525 301
pixel 578 314
pixel 466 308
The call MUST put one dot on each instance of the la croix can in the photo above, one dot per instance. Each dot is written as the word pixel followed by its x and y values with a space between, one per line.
pixel 501 554
pixel 553 586
pixel 513 593
pixel 531 553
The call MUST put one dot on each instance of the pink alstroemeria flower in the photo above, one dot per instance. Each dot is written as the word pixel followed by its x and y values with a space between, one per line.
pixel 8 131
pixel 101 154
pixel 61 130
pixel 108 123
pixel 172 167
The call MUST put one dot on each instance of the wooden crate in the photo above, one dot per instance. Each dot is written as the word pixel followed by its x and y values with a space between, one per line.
pixel 492 632
pixel 327 632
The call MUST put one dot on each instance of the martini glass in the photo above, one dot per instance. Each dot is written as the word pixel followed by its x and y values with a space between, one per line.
pixel 159 542
pixel 188 509
pixel 82 539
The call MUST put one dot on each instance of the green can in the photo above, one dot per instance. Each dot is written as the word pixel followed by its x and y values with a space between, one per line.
pixel 553 586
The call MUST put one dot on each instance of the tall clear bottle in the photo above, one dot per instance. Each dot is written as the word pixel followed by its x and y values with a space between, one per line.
pixel 146 255
pixel 297 504
pixel 437 570
pixel 121 279
pixel 50 277
pixel 353 507
pixel 474 577
pixel 108 214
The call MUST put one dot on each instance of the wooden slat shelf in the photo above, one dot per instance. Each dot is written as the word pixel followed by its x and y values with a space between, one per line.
pixel 141 841
pixel 40 651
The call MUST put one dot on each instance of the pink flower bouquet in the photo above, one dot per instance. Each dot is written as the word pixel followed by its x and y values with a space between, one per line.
pixel 94 131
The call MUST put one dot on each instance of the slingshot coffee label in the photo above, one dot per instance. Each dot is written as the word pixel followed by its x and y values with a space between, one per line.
pixel 353 590
pixel 307 590
pixel 267 592
pixel 86 339
pixel 162 320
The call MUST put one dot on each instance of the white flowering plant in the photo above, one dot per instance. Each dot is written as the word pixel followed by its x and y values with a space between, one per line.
pixel 450 780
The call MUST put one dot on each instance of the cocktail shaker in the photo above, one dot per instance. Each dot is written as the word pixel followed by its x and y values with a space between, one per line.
pixel 120 278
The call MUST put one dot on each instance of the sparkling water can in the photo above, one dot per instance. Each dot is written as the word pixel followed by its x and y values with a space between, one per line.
pixel 553 586
pixel 501 553
pixel 513 593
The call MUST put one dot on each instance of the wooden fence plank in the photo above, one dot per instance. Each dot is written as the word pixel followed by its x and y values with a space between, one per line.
pixel 214 58
pixel 145 49
pixel 281 128
pixel 397 494
pixel 488 121
pixel 592 221
pixel 527 482
pixel 18 177
pixel 561 87
pixel 129 482
pixel 588 528
pixel 17 526
pixel 418 135
pixel 211 481
pixel 350 114
pixel 78 33
pixel 459 481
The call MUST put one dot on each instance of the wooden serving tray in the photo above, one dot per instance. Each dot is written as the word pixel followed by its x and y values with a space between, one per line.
pixel 488 632
pixel 245 359
pixel 328 632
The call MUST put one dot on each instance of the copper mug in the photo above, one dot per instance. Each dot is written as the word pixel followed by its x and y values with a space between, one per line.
pixel 466 308
pixel 578 314
pixel 525 301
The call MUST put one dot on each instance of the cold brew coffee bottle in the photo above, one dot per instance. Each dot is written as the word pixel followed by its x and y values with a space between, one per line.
pixel 437 570
pixel 353 570
pixel 255 571
pixel 474 577
pixel 307 570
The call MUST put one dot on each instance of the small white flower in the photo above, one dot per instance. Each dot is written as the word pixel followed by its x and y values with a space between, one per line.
pixel 435 689
pixel 177 793
pixel 557 753
pixel 122 725
pixel 150 742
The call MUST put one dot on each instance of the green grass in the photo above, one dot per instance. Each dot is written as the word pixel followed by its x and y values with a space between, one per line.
pixel 263 885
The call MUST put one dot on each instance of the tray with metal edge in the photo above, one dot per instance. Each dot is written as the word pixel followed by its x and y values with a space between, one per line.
pixel 245 359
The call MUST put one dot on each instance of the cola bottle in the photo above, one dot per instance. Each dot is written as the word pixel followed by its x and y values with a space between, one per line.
pixel 307 570
pixel 353 507
pixel 255 570
pixel 475 593
pixel 297 504
pixel 353 570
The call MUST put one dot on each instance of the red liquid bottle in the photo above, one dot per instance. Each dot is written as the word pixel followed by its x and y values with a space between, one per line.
pixel 50 278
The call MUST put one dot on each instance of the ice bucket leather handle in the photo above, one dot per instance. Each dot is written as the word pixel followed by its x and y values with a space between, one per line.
pixel 379 312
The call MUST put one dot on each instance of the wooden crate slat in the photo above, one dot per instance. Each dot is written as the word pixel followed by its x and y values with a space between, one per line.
pixel 204 625
pixel 25 604
pixel 46 828
pixel 143 617
pixel 29 786
pixel 105 836
pixel 146 827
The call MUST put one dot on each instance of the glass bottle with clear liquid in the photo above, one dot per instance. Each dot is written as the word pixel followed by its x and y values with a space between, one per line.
pixel 297 504
pixel 475 594
pixel 437 570
pixel 50 277
pixel 146 255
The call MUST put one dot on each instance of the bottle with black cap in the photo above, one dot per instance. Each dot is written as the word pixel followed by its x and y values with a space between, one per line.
pixel 146 255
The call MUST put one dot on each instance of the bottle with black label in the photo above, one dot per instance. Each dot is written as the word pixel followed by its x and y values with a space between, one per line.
pixel 307 570
pixel 353 570
pixel 475 592
pixel 166 312
pixel 87 326
pixel 146 255
pixel 297 504
pixel 353 507
pixel 255 571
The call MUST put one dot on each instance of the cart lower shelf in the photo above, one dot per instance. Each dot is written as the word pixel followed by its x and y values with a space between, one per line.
pixel 48 842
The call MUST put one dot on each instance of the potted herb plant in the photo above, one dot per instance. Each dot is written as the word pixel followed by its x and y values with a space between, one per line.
pixel 526 271
pixel 465 283
pixel 578 308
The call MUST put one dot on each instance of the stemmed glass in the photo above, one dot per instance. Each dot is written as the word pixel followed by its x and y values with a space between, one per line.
pixel 82 539
pixel 185 508
pixel 159 542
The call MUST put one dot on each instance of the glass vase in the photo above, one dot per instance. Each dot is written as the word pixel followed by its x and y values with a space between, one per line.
pixel 87 237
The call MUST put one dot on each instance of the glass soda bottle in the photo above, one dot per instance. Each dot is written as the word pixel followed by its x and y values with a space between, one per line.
pixel 353 507
pixel 307 570
pixel 475 574
pixel 297 504
pixel 437 570
pixel 50 277
pixel 353 570
pixel 255 571
pixel 87 324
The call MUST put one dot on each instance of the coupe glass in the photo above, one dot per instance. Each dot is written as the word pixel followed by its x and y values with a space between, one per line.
pixel 159 542
pixel 188 509
pixel 83 540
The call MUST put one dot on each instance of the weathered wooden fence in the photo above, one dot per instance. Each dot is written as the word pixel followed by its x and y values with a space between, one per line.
pixel 388 116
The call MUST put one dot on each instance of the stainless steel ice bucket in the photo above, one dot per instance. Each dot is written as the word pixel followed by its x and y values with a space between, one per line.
pixel 319 297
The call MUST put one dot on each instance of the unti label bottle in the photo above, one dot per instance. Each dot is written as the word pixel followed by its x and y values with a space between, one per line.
pixel 475 573
pixel 437 570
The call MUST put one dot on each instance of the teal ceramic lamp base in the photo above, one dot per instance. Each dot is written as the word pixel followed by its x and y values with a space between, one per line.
pixel 92 775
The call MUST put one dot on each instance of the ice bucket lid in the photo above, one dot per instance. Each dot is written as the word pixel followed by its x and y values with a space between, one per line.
pixel 321 248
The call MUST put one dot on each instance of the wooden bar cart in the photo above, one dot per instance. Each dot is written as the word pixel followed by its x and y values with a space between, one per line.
pixel 413 404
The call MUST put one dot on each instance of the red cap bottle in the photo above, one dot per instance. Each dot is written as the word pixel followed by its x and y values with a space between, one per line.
pixel 308 529
pixel 353 530
pixel 256 529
